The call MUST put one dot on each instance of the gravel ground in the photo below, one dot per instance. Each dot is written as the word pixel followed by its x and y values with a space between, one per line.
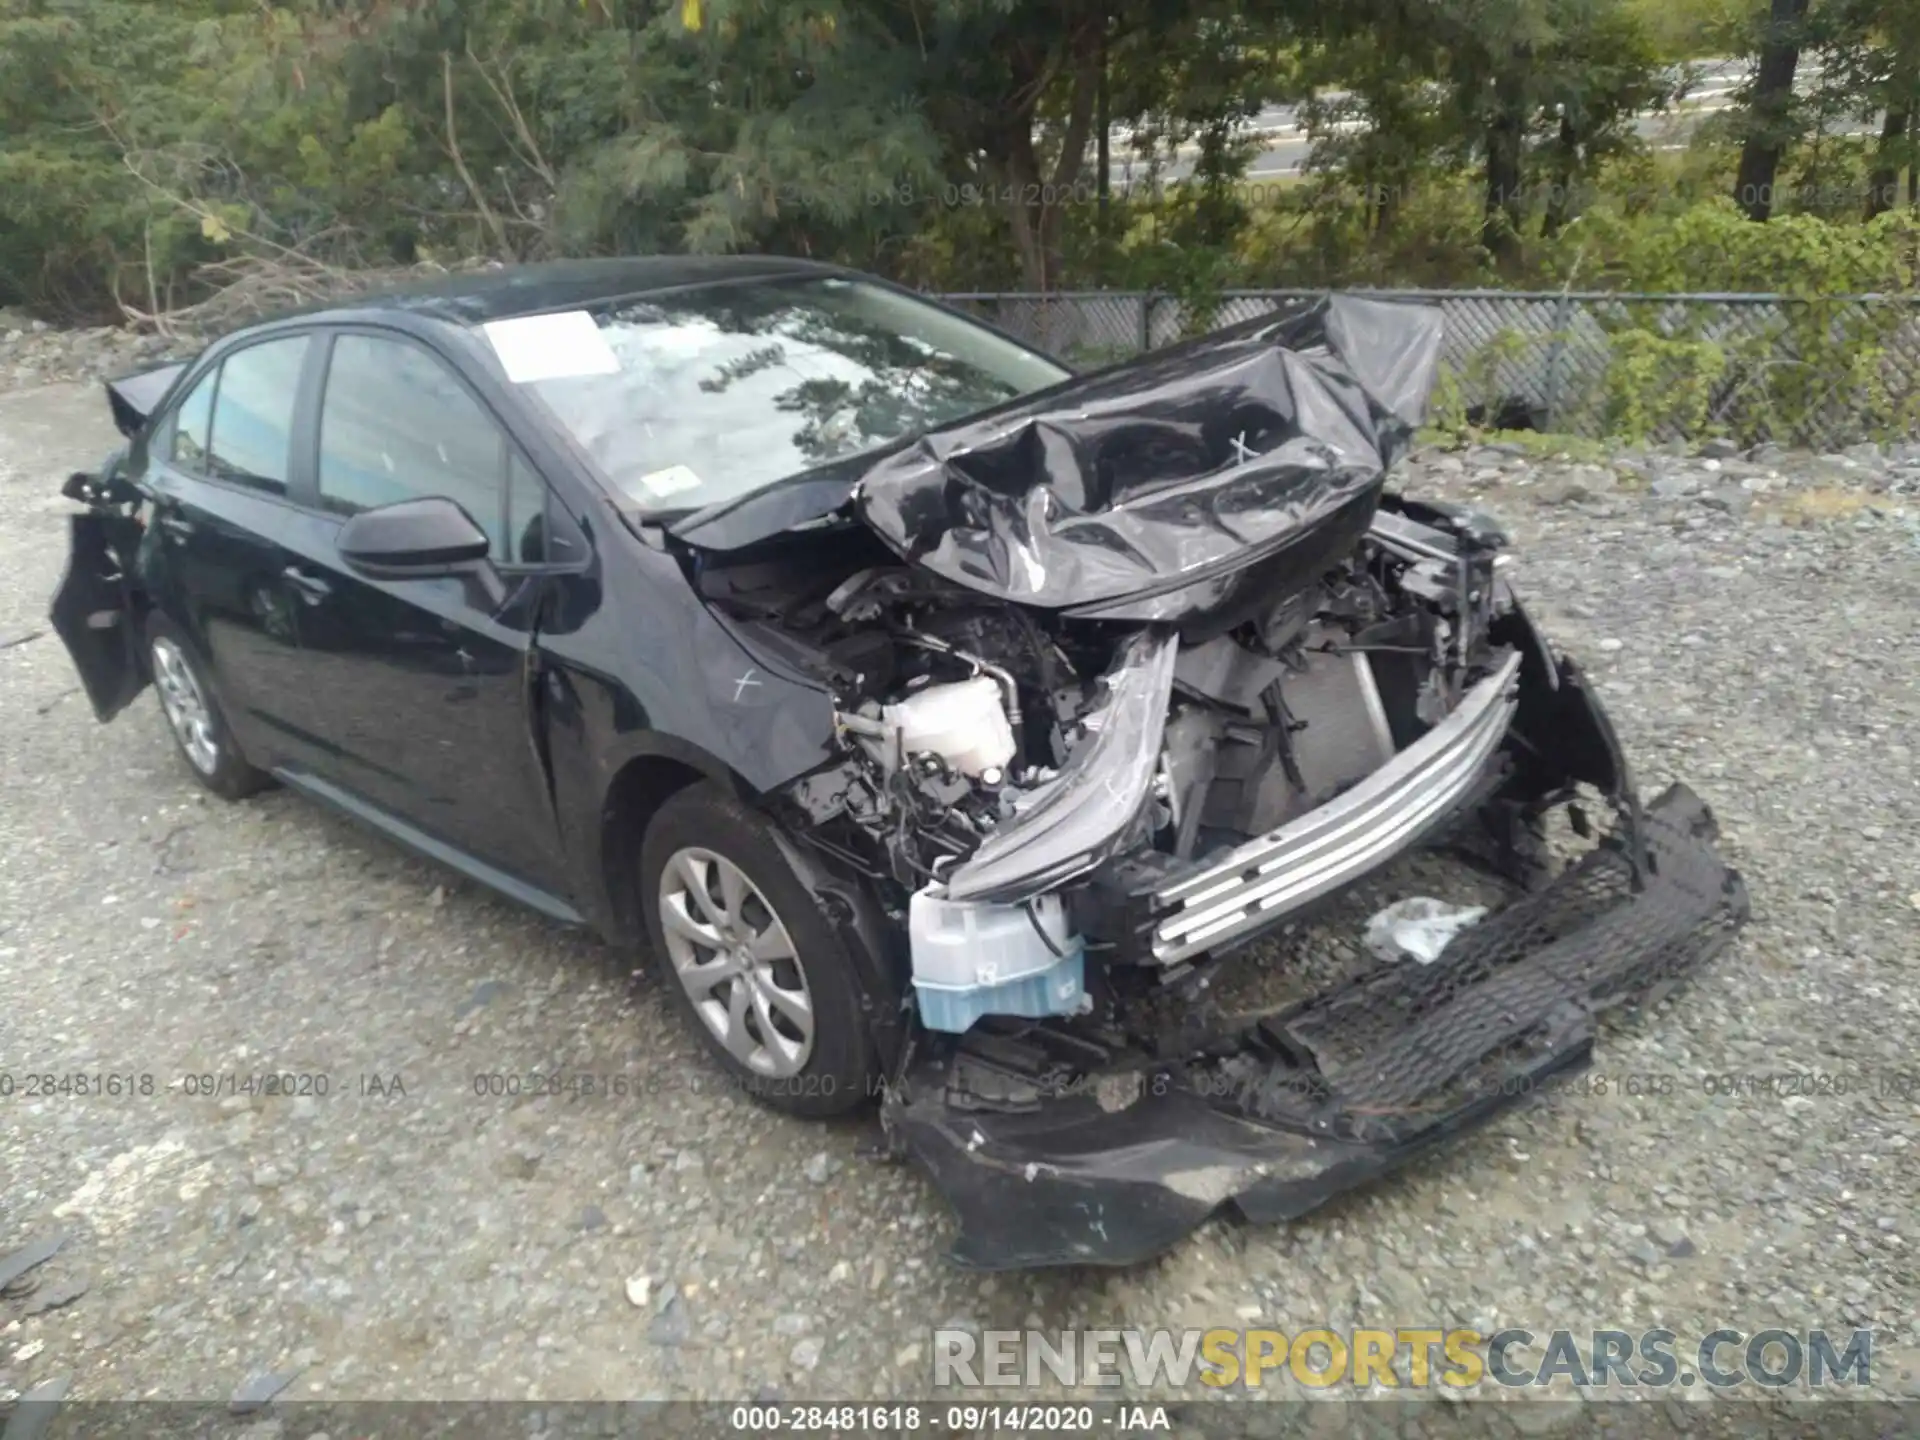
pixel 1756 629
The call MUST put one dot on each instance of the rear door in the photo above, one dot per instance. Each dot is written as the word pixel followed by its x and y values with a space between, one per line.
pixel 420 689
pixel 220 465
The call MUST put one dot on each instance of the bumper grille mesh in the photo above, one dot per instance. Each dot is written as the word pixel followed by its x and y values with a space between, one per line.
pixel 1403 1044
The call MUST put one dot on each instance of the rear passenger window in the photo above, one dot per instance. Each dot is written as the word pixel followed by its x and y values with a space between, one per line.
pixel 193 425
pixel 396 424
pixel 253 414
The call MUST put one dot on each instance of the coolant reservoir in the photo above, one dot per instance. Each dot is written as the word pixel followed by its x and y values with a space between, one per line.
pixel 964 723
pixel 972 959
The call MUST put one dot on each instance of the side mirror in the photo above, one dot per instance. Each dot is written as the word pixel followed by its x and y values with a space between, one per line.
pixel 421 540
pixel 430 536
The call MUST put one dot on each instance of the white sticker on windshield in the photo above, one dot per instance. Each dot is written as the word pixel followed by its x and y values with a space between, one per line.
pixel 551 347
pixel 670 481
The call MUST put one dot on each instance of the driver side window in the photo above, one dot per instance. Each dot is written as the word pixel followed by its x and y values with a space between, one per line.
pixel 397 424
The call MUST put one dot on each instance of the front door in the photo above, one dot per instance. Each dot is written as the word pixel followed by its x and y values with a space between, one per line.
pixel 420 689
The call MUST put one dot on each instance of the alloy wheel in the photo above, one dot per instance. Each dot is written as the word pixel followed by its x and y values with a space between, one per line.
pixel 733 955
pixel 187 709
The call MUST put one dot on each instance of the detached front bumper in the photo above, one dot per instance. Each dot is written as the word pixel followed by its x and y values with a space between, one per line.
pixel 1112 1162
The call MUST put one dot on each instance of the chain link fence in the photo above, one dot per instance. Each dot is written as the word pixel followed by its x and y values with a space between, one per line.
pixel 1819 373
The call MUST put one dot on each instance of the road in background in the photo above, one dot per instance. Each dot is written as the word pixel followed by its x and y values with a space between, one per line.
pixel 1711 86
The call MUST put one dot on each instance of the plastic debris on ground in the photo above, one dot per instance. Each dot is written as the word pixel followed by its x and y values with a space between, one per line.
pixel 1417 928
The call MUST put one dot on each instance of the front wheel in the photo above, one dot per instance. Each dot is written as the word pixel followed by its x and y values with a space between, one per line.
pixel 749 958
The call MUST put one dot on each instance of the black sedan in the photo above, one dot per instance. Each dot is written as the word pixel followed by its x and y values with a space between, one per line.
pixel 935 717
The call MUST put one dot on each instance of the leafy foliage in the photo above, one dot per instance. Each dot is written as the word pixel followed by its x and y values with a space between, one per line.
pixel 950 143
pixel 1660 385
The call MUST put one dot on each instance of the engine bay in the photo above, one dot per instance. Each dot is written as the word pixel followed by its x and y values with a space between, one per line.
pixel 965 723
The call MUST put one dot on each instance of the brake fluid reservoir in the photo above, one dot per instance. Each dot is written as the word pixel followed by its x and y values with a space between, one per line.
pixel 964 723
pixel 972 959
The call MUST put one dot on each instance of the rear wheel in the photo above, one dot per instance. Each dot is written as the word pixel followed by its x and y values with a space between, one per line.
pixel 748 957
pixel 199 729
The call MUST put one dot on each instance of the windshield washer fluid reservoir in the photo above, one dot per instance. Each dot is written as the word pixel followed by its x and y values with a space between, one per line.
pixel 964 723
pixel 972 959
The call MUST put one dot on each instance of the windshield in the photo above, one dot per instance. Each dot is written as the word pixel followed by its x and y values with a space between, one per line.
pixel 703 395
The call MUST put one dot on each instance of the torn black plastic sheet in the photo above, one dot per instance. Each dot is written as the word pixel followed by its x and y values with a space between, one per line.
pixel 1272 436
pixel 1294 1108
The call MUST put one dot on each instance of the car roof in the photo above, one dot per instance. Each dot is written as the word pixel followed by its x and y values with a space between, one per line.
pixel 484 295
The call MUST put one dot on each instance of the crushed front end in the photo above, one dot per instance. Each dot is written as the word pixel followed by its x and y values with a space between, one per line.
pixel 1151 686
pixel 1104 1144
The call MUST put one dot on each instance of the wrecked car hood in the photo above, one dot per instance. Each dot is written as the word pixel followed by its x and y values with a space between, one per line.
pixel 1147 478
pixel 1151 476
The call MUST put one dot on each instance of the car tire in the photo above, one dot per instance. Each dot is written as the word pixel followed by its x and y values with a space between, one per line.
pixel 755 967
pixel 193 717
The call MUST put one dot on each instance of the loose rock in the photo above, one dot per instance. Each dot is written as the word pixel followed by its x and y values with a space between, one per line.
pixel 257 1391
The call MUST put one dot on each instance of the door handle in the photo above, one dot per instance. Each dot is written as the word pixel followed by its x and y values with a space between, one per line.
pixel 311 586
pixel 175 526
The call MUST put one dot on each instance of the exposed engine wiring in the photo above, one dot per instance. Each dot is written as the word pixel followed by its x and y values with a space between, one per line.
pixel 1033 915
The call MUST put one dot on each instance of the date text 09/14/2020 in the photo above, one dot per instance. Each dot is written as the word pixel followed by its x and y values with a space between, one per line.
pixel 909 1418
pixel 34 1085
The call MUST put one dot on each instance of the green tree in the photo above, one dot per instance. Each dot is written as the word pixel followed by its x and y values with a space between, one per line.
pixel 1770 118
pixel 1537 93
pixel 75 79
pixel 1870 72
